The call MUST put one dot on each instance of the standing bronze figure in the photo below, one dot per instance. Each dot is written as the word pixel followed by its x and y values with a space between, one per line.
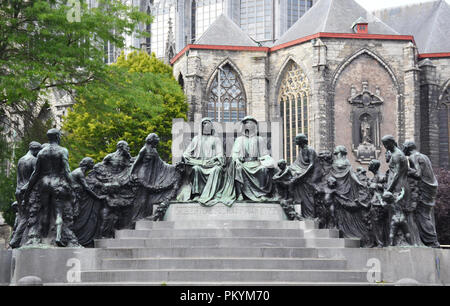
pixel 378 215
pixel 421 171
pixel 352 198
pixel 304 181
pixel 157 181
pixel 397 181
pixel 87 205
pixel 112 175
pixel 25 168
pixel 52 212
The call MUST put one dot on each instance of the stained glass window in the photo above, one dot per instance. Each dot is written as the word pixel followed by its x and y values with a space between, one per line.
pixel 226 101
pixel 294 108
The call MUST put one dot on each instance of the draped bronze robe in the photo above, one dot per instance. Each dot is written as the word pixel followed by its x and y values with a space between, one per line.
pixel 351 198
pixel 156 180
pixel 205 160
pixel 255 173
pixel 303 191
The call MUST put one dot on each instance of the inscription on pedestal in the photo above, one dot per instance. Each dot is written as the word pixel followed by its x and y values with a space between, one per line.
pixel 239 211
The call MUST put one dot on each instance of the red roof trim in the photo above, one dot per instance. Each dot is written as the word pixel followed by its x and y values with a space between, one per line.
pixel 343 35
pixel 295 42
pixel 176 57
pixel 434 55
pixel 233 48
pixel 299 41
pixel 218 47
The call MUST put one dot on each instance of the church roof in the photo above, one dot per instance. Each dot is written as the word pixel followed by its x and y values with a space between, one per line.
pixel 428 22
pixel 333 16
pixel 224 32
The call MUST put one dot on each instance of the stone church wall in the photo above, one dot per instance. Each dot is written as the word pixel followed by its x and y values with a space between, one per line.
pixel 198 70
pixel 332 129
pixel 332 66
pixel 442 69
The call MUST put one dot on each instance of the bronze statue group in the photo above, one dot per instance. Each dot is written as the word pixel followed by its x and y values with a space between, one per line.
pixel 70 209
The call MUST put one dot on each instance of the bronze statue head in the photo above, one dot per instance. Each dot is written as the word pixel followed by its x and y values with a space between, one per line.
pixel 87 163
pixel 122 146
pixel 374 165
pixel 389 142
pixel 54 136
pixel 301 140
pixel 340 150
pixel 207 127
pixel 409 147
pixel 282 163
pixel 34 147
pixel 361 170
pixel 152 139
pixel 250 126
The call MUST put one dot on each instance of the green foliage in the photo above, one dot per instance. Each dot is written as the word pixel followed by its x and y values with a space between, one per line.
pixel 142 62
pixel 41 49
pixel 139 97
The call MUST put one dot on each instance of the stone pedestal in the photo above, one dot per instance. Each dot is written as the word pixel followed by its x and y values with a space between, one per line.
pixel 246 244
pixel 239 211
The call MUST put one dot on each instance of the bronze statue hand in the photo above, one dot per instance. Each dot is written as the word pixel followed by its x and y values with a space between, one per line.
pixel 413 174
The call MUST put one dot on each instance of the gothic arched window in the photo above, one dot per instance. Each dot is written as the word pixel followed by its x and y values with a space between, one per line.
pixel 230 104
pixel 294 108
pixel 444 130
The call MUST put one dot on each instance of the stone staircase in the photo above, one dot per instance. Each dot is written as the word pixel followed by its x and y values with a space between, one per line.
pixel 218 252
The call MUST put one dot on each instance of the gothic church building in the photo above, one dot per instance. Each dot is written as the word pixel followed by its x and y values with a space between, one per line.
pixel 339 74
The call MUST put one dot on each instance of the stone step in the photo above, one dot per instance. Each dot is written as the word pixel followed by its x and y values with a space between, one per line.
pixel 223 263
pixel 249 275
pixel 227 232
pixel 215 252
pixel 222 224
pixel 227 242
pixel 231 283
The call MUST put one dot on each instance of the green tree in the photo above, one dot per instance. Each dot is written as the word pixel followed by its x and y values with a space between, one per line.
pixel 42 48
pixel 140 97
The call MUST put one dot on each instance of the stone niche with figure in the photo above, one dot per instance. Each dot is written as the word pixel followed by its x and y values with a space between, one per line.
pixel 366 119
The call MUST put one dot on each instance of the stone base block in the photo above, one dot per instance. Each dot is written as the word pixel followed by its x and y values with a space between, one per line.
pixel 239 211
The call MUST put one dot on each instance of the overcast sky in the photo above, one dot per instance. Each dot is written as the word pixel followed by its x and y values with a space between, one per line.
pixel 379 4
